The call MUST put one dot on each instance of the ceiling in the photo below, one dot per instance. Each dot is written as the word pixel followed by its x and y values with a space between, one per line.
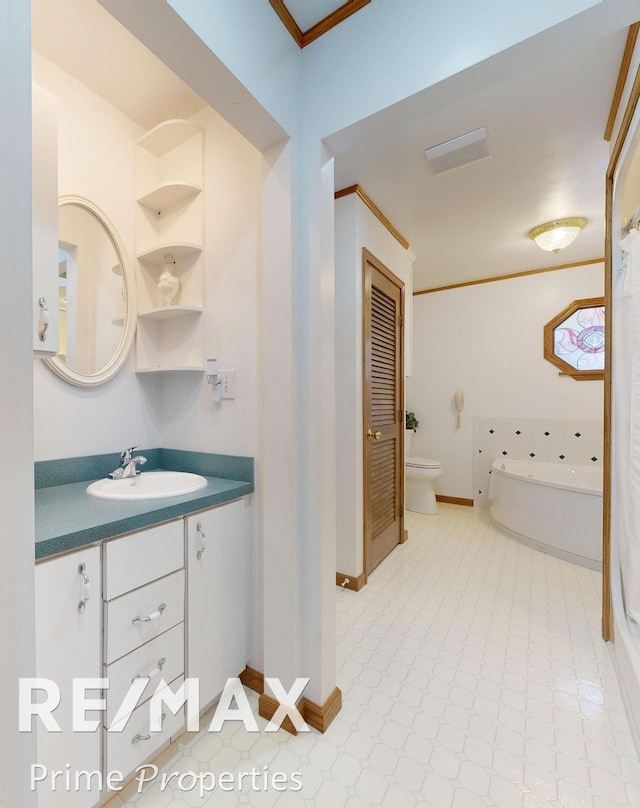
pixel 114 64
pixel 548 161
pixel 307 20
pixel 545 129
pixel 308 12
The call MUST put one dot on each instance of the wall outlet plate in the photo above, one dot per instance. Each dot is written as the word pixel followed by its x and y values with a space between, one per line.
pixel 228 382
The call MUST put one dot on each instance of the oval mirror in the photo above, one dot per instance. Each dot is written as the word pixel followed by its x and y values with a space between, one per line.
pixel 96 296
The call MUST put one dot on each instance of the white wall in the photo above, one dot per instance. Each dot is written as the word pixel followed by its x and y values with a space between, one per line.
pixel 183 408
pixel 186 414
pixel 95 160
pixel 487 341
pixel 356 228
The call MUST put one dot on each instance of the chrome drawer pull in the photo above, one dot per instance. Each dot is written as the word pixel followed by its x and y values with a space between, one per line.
pixel 153 672
pixel 86 588
pixel 153 616
pixel 146 737
pixel 202 541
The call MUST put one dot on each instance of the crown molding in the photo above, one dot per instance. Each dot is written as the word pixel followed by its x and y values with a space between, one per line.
pixel 523 274
pixel 357 190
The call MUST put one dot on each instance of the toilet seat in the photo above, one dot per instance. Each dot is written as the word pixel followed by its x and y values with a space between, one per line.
pixel 422 463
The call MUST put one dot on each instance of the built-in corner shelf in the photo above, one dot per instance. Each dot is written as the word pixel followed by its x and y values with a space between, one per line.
pixel 172 369
pixel 117 321
pixel 169 312
pixel 167 135
pixel 156 254
pixel 169 221
pixel 167 195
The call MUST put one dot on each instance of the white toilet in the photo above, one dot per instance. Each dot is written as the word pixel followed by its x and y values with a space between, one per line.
pixel 420 472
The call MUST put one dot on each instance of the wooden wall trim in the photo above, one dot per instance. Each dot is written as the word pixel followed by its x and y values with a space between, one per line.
pixel 252 679
pixel 304 38
pixel 513 275
pixel 625 126
pixel 454 500
pixel 318 717
pixel 356 189
pixel 267 707
pixel 623 74
pixel 354 582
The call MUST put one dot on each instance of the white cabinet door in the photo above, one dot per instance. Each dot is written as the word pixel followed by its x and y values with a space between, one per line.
pixel 217 599
pixel 68 645
pixel 46 294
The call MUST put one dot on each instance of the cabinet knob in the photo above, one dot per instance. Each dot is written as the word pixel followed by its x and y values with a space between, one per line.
pixel 86 588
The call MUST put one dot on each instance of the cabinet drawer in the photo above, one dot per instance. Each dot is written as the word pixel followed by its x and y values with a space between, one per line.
pixel 139 616
pixel 127 749
pixel 135 560
pixel 162 657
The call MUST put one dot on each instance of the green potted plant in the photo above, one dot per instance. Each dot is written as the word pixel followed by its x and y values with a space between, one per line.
pixel 411 422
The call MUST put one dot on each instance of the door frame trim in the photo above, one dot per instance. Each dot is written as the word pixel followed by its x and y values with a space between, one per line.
pixel 369 258
pixel 616 153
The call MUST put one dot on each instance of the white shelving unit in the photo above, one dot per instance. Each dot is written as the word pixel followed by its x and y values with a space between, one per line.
pixel 170 221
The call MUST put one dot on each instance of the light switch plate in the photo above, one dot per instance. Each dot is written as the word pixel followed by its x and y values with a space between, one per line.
pixel 228 382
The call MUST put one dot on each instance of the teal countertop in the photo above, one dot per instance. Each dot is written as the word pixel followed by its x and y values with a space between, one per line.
pixel 67 517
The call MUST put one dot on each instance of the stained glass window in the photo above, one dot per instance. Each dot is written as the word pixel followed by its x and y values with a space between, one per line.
pixel 574 340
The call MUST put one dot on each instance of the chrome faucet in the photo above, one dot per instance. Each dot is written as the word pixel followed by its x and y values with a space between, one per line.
pixel 128 464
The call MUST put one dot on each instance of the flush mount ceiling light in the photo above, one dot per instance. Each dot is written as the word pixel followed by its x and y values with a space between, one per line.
pixel 555 236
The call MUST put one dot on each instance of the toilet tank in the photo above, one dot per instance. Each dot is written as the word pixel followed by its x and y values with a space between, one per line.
pixel 408 435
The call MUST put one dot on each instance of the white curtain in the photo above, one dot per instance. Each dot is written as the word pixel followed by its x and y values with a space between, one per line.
pixel 626 419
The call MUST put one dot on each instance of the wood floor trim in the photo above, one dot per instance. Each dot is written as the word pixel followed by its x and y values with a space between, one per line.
pixel 267 707
pixel 318 717
pixel 321 717
pixel 524 274
pixel 454 500
pixel 253 679
pixel 353 582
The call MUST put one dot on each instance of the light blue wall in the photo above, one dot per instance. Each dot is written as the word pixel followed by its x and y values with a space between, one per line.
pixel 17 750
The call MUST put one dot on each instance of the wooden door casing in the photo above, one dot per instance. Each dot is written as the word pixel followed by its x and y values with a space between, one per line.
pixel 383 411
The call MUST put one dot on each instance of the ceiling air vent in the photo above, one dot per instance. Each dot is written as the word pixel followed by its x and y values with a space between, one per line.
pixel 459 151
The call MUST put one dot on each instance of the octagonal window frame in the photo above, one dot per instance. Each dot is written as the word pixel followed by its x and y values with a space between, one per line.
pixel 549 340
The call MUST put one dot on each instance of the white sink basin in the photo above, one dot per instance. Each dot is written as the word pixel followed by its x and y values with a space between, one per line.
pixel 148 485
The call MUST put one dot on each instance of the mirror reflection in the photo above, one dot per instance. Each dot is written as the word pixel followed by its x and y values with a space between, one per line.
pixel 92 291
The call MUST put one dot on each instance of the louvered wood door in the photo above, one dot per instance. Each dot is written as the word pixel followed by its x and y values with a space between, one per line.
pixel 383 409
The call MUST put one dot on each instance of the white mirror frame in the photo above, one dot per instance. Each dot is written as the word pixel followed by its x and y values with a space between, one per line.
pixel 105 374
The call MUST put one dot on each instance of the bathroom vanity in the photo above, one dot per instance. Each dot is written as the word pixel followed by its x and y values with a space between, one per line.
pixel 160 603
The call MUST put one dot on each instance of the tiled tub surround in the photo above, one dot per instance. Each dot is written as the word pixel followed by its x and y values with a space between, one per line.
pixel 551 440
pixel 68 518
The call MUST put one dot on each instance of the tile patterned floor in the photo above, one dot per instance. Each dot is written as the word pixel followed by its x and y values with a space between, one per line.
pixel 473 676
